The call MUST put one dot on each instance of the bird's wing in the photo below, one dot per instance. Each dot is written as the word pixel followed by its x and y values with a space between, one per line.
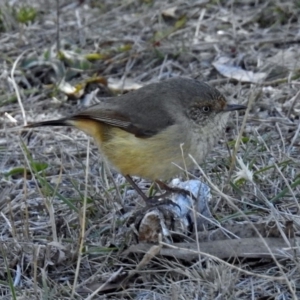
pixel 140 123
pixel 146 111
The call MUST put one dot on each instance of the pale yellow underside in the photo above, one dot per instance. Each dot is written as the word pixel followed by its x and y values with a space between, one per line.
pixel 150 158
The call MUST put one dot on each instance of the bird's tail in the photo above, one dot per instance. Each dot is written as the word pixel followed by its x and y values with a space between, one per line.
pixel 60 122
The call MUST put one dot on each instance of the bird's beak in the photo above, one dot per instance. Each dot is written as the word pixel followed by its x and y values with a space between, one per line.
pixel 231 107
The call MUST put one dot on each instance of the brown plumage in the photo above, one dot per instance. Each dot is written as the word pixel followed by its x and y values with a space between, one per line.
pixel 151 131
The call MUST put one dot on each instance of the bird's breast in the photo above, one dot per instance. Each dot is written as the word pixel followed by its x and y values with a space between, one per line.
pixel 155 157
pixel 160 156
pixel 204 138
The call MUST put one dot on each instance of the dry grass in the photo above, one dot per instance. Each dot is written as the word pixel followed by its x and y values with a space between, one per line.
pixel 41 208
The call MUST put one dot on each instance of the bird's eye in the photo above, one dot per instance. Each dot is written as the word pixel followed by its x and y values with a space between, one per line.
pixel 206 109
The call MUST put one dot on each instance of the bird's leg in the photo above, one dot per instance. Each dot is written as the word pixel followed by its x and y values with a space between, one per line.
pixel 136 188
pixel 173 189
pixel 151 201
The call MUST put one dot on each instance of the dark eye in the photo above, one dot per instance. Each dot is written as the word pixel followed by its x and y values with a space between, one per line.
pixel 206 109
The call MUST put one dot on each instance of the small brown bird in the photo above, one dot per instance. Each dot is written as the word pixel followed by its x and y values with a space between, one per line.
pixel 151 131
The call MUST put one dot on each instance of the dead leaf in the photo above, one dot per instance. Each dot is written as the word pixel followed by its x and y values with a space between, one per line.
pixel 224 68
pixel 150 227
pixel 170 12
pixel 123 85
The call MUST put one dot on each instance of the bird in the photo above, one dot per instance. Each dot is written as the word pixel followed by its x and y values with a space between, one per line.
pixel 152 131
